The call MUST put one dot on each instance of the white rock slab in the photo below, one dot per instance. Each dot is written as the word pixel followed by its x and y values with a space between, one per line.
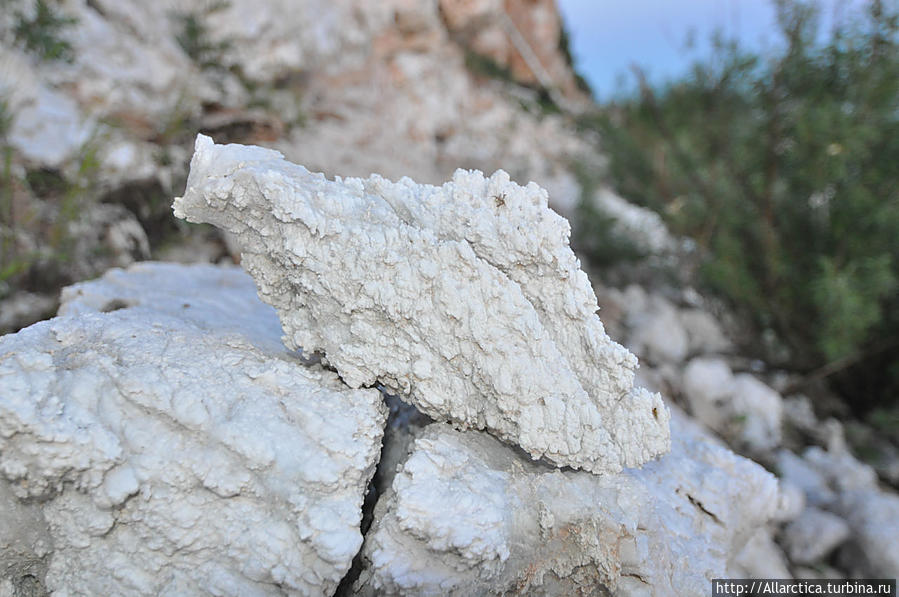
pixel 177 448
pixel 467 515
pixel 464 299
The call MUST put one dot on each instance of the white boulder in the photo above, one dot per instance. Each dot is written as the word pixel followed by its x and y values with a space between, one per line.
pixel 708 384
pixel 463 299
pixel 760 412
pixel 873 518
pixel 760 557
pixel 739 407
pixel 841 470
pixel 812 536
pixel 792 502
pixel 48 127
pixel 703 332
pixel 658 333
pixel 175 447
pixel 467 515
pixel 643 226
pixel 795 471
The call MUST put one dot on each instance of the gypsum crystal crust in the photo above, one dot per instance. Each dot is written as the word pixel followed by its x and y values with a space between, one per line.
pixel 175 447
pixel 463 299
pixel 464 515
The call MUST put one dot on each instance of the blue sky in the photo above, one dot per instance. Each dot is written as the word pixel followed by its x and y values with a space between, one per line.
pixel 607 36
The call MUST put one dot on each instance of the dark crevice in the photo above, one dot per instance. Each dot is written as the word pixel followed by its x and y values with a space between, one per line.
pixel 699 505
pixel 636 576
pixel 345 588
pixel 116 305
pixel 402 421
pixel 95 6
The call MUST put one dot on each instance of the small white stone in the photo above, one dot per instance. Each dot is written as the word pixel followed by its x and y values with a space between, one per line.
pixel 813 535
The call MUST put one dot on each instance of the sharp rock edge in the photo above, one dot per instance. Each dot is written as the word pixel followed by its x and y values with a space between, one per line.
pixel 464 299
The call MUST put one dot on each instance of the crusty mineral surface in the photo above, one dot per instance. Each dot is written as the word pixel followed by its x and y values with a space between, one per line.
pixel 174 447
pixel 467 516
pixel 463 299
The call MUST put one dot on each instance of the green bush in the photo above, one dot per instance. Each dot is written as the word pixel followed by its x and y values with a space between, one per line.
pixel 42 34
pixel 784 170
pixel 195 39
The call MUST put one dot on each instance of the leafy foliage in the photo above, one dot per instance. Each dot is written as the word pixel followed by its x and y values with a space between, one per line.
pixel 37 207
pixel 42 34
pixel 602 240
pixel 194 38
pixel 783 168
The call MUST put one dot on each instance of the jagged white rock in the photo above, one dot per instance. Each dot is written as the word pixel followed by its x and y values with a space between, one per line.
pixel 739 407
pixel 659 334
pixel 873 518
pixel 813 535
pixel 641 225
pixel 760 557
pixel 464 299
pixel 467 515
pixel 176 447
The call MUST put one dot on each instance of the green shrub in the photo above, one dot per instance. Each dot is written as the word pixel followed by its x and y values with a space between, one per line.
pixel 783 168
pixel 601 239
pixel 194 38
pixel 42 34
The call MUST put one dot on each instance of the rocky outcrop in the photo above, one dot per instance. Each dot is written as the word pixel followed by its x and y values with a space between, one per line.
pixel 348 87
pixel 523 36
pixel 466 515
pixel 170 444
pixel 463 299
pixel 157 437
pixel 345 86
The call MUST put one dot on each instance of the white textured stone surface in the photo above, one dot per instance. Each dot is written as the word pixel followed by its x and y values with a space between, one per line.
pixel 760 557
pixel 644 226
pixel 708 386
pixel 873 518
pixel 659 334
pixel 47 125
pixel 704 333
pixel 760 412
pixel 799 473
pixel 177 448
pixel 813 535
pixel 739 407
pixel 465 299
pixel 467 515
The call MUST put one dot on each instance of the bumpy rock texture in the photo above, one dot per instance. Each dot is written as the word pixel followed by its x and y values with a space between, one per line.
pixel 175 447
pixel 465 298
pixel 467 516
